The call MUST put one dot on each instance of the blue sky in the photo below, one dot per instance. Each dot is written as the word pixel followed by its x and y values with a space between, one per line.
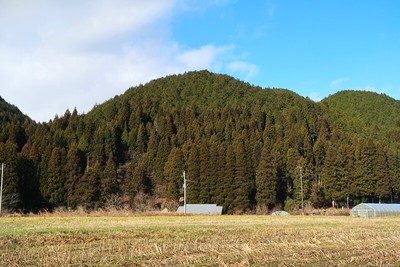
pixel 314 48
pixel 57 55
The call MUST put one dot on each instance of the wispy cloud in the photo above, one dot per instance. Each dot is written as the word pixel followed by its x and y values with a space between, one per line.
pixel 271 11
pixel 339 81
pixel 244 69
pixel 204 57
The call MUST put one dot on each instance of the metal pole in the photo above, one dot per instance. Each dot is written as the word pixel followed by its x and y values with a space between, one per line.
pixel 301 187
pixel 184 192
pixel 1 185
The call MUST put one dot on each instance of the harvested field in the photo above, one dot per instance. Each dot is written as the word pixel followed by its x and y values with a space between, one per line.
pixel 199 241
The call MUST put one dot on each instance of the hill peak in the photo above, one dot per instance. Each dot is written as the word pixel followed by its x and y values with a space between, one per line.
pixel 366 113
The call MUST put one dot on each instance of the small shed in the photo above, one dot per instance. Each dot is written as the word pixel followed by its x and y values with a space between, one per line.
pixel 375 210
pixel 211 209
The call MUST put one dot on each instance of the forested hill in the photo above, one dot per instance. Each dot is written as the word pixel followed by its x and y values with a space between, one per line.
pixel 243 147
pixel 11 124
pixel 367 114
pixel 201 91
pixel 9 113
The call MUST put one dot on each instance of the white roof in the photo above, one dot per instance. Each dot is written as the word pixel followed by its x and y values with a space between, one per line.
pixel 201 209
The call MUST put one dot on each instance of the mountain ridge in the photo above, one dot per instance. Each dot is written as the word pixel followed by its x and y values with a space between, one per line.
pixel 241 145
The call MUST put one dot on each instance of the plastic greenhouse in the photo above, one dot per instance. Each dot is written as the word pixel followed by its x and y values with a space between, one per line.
pixel 375 210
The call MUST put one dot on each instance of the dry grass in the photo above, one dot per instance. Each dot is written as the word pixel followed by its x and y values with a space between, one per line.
pixel 199 241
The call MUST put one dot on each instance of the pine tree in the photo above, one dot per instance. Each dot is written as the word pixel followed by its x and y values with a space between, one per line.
pixel 383 190
pixel 364 170
pixel 12 181
pixel 173 173
pixel 125 137
pixel 108 182
pixel 216 165
pixel 152 144
pixel 139 179
pixel 205 176
pixel 242 179
pixel 281 175
pixel 141 139
pixel 73 171
pixel 336 173
pixel 193 175
pixel 163 151
pixel 394 166
pixel 229 179
pixel 266 180
pixel 87 193
pixel 292 169
pixel 317 197
pixel 28 189
pixel 55 192
pixel 219 190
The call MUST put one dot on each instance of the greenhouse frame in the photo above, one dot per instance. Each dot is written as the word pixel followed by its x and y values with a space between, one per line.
pixel 375 210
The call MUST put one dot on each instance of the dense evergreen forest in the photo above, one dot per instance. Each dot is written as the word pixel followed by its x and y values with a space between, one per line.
pixel 243 147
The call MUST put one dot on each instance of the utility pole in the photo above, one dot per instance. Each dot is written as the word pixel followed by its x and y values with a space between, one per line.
pixel 301 188
pixel 1 184
pixel 184 192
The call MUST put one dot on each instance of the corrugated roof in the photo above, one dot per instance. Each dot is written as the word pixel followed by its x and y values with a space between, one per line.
pixel 202 209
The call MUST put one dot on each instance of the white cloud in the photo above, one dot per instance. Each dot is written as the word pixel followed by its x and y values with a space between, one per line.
pixel 245 69
pixel 69 24
pixel 57 55
pixel 204 57
pixel 335 83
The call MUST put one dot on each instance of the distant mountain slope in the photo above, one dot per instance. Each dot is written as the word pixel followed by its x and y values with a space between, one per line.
pixel 366 114
pixel 11 120
pixel 9 112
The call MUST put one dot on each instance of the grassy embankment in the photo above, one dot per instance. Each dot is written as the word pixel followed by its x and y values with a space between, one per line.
pixel 199 241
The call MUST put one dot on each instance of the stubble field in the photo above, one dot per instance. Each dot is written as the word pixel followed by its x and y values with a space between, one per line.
pixel 199 241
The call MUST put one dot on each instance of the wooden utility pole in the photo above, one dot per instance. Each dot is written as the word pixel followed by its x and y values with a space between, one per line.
pixel 301 188
pixel 184 192
pixel 1 184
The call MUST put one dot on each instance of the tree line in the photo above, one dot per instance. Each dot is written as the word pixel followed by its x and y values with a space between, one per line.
pixel 242 146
